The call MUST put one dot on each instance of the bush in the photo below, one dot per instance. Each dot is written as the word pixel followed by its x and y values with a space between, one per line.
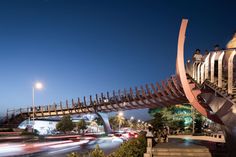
pixel 74 154
pixel 97 152
pixel 132 148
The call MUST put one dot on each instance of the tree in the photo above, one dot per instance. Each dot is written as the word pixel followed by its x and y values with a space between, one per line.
pixel 117 121
pixel 65 124
pixel 98 121
pixel 158 121
pixel 81 125
pixel 198 123
pixel 113 123
pixel 94 124
pixel 176 117
pixel 133 124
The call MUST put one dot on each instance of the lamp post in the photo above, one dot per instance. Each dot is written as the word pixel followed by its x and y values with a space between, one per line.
pixel 120 115
pixel 37 85
pixel 131 122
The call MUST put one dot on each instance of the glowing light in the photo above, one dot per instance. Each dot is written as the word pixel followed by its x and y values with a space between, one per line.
pixel 121 114
pixel 38 85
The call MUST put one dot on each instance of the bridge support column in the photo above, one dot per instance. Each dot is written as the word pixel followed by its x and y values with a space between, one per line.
pixel 105 120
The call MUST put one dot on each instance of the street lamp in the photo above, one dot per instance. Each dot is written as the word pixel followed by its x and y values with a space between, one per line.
pixel 132 118
pixel 120 115
pixel 37 85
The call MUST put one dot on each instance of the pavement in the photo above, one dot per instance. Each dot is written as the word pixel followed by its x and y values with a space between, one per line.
pixel 202 138
pixel 215 146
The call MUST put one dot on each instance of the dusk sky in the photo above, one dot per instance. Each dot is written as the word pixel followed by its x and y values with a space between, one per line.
pixel 83 47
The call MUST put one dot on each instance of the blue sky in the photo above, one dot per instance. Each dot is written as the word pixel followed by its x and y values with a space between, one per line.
pixel 78 48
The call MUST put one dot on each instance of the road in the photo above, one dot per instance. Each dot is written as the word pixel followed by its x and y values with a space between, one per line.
pixel 107 144
pixel 59 148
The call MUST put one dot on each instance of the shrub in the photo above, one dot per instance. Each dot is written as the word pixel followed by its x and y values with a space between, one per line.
pixel 97 152
pixel 132 148
pixel 74 154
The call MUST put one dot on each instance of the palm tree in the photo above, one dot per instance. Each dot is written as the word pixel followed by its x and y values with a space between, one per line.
pixel 94 124
pixel 120 120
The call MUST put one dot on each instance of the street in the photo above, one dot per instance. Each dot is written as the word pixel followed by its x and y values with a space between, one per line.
pixel 59 148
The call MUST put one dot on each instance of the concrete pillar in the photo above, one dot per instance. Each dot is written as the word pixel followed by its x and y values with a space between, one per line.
pixel 149 147
pixel 212 59
pixel 105 120
pixel 202 73
pixel 194 70
pixel 207 67
pixel 220 60
pixel 230 72
pixel 199 72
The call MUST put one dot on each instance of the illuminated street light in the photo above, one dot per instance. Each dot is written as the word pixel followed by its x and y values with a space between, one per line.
pixel 120 116
pixel 139 121
pixel 131 118
pixel 38 86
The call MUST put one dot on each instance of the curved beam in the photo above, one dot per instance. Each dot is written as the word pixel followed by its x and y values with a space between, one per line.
pixel 181 73
pixel 165 96
pixel 127 99
pixel 177 86
pixel 158 101
pixel 105 104
pixel 180 69
pixel 158 95
pixel 151 103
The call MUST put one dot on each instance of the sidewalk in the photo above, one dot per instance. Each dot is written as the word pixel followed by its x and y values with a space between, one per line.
pixel 203 138
pixel 189 143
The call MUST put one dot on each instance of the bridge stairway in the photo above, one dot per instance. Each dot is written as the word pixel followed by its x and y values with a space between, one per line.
pixel 181 152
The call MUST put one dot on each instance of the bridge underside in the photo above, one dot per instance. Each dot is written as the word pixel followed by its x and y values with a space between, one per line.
pixel 168 93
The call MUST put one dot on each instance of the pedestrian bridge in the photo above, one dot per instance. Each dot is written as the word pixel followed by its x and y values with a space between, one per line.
pixel 207 82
